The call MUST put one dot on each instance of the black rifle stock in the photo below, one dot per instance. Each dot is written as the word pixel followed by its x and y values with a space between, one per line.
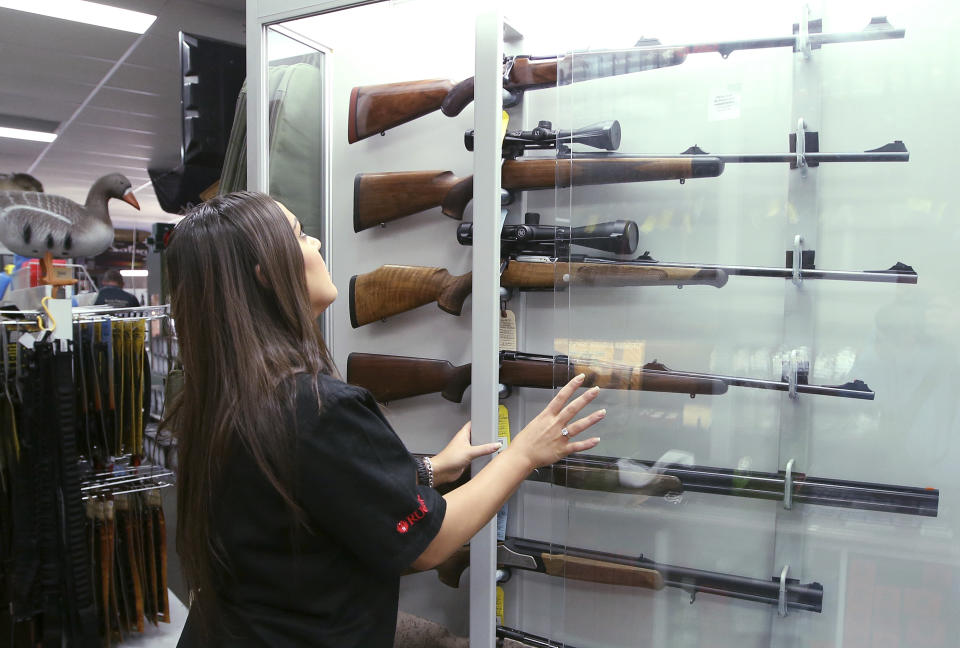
pixel 377 108
pixel 393 289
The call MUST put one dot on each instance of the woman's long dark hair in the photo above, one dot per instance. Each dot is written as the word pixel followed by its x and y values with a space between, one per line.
pixel 245 326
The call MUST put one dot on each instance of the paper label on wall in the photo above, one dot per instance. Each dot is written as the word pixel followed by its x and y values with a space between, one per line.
pixel 503 434
pixel 499 605
pixel 508 331
pixel 723 104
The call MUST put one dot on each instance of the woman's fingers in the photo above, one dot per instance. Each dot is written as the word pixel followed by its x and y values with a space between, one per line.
pixel 578 426
pixel 564 394
pixel 483 450
pixel 580 446
pixel 573 408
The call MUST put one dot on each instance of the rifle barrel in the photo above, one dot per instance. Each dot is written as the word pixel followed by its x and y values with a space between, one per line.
pixel 753 158
pixel 874 276
pixel 816 40
pixel 842 391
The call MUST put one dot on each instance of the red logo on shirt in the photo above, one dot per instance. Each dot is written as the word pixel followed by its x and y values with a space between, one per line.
pixel 404 525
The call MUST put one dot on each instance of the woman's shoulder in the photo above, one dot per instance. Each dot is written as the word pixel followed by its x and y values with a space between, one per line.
pixel 324 392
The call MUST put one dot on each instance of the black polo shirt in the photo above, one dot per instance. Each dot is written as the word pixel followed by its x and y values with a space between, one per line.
pixel 338 585
pixel 116 297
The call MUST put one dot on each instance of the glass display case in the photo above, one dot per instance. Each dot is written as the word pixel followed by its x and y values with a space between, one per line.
pixel 734 219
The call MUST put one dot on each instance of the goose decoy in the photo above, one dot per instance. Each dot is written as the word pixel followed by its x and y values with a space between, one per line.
pixel 19 182
pixel 34 224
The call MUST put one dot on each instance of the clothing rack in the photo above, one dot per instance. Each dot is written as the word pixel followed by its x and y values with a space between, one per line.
pixel 82 528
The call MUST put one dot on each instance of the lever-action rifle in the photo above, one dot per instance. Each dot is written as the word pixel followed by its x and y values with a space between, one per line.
pixel 390 377
pixel 622 237
pixel 393 289
pixel 612 475
pixel 615 569
pixel 383 197
pixel 377 108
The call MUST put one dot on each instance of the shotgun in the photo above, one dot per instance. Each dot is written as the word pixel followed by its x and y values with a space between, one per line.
pixel 622 475
pixel 383 197
pixel 378 108
pixel 391 377
pixel 393 289
pixel 637 571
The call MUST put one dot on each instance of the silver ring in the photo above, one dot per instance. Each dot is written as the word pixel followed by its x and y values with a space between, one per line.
pixel 564 432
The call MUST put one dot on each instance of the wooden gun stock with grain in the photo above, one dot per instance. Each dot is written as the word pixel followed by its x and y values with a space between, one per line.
pixel 393 289
pixel 383 197
pixel 391 377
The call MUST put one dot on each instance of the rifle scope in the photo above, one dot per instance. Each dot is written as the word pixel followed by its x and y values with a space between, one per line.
pixel 617 237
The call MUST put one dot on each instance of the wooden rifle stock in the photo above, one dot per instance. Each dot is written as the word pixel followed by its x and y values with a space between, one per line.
pixel 393 377
pixel 383 197
pixel 600 571
pixel 393 289
pixel 376 108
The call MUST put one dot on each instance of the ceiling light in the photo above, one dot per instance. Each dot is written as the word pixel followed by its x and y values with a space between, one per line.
pixel 91 13
pixel 19 133
pixel 134 273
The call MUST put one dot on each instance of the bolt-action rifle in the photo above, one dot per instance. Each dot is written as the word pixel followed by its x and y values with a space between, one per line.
pixel 377 108
pixel 383 197
pixel 393 289
pixel 390 377
pixel 636 571
pixel 622 237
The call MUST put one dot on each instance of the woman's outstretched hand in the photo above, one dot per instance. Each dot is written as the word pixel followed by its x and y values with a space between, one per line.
pixel 549 437
pixel 450 463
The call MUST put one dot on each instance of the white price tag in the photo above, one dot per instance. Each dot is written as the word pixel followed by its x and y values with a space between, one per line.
pixel 724 104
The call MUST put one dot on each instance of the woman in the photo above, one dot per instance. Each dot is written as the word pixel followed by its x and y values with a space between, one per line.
pixel 298 506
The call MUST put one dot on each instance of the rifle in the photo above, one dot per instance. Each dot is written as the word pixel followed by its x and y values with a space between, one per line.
pixel 378 108
pixel 638 571
pixel 383 197
pixel 393 289
pixel 621 237
pixel 613 475
pixel 514 636
pixel 390 377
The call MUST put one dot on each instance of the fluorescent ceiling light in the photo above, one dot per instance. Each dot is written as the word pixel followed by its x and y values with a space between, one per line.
pixel 91 13
pixel 19 133
pixel 134 273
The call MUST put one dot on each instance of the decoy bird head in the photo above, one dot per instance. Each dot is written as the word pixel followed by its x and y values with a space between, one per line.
pixel 113 185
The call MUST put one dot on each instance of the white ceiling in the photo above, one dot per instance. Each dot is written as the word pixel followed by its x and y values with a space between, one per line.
pixel 122 118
